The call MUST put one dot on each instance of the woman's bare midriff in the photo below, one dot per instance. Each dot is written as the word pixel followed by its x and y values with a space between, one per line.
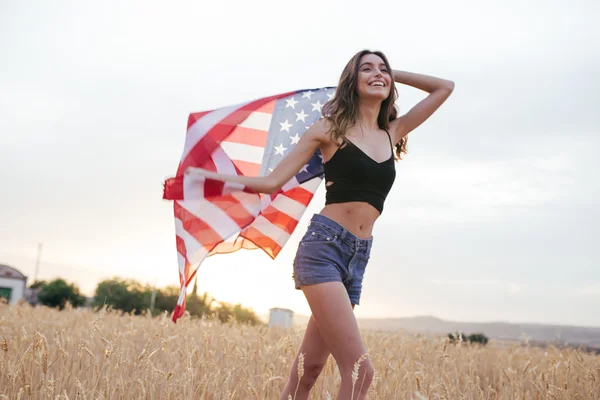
pixel 357 217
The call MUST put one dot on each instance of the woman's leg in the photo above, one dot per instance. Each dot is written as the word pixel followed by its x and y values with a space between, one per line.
pixel 315 356
pixel 337 325
pixel 315 353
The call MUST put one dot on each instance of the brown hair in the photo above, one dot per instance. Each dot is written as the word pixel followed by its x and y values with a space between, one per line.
pixel 342 109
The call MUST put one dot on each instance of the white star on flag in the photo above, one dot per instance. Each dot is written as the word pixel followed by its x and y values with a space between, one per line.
pixel 291 103
pixel 279 149
pixel 285 126
pixel 308 94
pixel 305 168
pixel 301 116
pixel 330 95
pixel 317 106
pixel 295 138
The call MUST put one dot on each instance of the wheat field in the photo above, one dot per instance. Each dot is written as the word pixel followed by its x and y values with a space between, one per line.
pixel 79 354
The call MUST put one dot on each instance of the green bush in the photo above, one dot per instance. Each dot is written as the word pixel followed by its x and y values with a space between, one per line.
pixel 58 292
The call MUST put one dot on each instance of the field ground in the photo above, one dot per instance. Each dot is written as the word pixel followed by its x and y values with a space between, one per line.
pixel 78 354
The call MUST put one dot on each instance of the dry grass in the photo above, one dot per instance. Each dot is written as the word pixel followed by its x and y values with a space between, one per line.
pixel 78 354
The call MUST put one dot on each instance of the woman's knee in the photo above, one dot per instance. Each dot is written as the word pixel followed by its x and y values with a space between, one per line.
pixel 311 374
pixel 369 372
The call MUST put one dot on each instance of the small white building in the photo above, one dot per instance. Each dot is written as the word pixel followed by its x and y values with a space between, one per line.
pixel 281 317
pixel 12 284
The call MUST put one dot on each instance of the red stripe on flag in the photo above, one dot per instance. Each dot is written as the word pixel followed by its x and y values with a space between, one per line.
pixel 181 249
pixel 247 168
pixel 300 194
pixel 270 106
pixel 173 188
pixel 197 228
pixel 279 219
pixel 196 116
pixel 234 210
pixel 267 244
pixel 253 137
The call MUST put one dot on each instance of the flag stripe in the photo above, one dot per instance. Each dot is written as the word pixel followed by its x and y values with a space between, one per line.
pixel 204 124
pixel 265 227
pixel 193 227
pixel 287 205
pixel 266 243
pixel 254 137
pixel 235 210
pixel 248 168
pixel 243 152
pixel 257 121
pixel 209 216
pixel 269 106
pixel 195 117
pixel 281 220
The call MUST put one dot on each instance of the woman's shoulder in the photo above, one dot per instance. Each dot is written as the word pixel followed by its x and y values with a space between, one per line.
pixel 321 129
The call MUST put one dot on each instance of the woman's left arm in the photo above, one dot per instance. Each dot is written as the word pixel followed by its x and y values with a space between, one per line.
pixel 439 90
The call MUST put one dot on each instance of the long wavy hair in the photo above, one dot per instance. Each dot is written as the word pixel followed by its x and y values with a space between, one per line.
pixel 342 109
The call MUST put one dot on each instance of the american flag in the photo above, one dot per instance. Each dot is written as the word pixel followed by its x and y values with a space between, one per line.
pixel 247 139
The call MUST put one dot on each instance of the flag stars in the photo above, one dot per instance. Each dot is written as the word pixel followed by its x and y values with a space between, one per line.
pixel 330 95
pixel 295 139
pixel 301 116
pixel 308 94
pixel 317 106
pixel 285 126
pixel 291 103
pixel 305 168
pixel 280 149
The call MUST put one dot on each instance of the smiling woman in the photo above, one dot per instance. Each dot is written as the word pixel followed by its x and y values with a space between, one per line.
pixel 360 138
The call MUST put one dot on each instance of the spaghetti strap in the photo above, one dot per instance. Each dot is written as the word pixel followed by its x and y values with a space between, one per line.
pixel 389 137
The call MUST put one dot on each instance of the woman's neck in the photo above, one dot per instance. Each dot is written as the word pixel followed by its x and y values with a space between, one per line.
pixel 368 113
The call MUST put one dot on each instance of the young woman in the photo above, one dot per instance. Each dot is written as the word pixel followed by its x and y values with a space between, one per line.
pixel 360 138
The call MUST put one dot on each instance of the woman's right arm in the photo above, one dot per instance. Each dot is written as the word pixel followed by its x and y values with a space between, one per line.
pixel 287 168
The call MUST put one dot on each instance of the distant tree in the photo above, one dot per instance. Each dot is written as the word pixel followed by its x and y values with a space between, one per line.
pixel 122 294
pixel 58 292
pixel 226 312
pixel 198 305
pixel 37 284
pixel 166 299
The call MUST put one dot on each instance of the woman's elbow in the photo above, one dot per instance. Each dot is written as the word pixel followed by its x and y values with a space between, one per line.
pixel 271 185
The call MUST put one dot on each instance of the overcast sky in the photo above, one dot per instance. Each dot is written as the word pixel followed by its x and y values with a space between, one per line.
pixel 494 214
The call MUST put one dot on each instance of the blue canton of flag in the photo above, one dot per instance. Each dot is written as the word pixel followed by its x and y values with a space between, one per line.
pixel 292 117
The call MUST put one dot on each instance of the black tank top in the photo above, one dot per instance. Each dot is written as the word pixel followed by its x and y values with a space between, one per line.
pixel 351 175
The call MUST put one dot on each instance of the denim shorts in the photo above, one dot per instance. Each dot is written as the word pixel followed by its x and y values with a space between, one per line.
pixel 329 253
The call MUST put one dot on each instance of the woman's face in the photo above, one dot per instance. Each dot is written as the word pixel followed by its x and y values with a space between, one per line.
pixel 374 79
